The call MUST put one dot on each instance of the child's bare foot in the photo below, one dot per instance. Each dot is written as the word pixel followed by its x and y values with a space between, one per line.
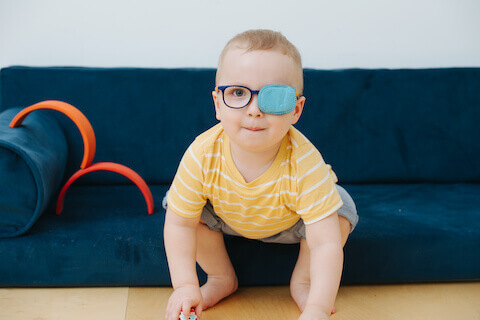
pixel 299 292
pixel 313 314
pixel 217 288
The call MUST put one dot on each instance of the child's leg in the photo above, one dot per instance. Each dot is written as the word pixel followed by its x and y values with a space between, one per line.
pixel 300 282
pixel 345 228
pixel 213 258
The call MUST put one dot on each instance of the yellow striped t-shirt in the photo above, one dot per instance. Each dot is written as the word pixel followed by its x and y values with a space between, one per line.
pixel 297 185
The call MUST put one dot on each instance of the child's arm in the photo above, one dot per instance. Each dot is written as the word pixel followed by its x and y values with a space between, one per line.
pixel 326 264
pixel 180 246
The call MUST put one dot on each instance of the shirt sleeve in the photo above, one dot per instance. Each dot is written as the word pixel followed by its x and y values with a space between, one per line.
pixel 317 196
pixel 186 197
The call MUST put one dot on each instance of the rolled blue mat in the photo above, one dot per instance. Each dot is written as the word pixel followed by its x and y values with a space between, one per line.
pixel 33 158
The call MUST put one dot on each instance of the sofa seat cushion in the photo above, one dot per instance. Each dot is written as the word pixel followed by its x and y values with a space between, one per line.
pixel 104 237
pixel 414 232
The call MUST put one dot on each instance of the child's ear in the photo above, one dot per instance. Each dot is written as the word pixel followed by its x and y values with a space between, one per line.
pixel 297 112
pixel 216 104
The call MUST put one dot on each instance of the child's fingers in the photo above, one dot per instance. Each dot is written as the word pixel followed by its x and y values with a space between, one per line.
pixel 174 308
pixel 173 312
pixel 186 307
pixel 183 300
pixel 198 311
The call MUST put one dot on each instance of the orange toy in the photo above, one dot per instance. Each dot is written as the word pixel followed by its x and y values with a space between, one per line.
pixel 113 167
pixel 89 143
pixel 75 115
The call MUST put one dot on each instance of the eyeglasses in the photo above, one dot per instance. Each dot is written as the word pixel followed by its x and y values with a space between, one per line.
pixel 273 99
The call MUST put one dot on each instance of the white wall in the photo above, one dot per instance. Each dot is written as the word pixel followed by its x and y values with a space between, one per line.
pixel 190 33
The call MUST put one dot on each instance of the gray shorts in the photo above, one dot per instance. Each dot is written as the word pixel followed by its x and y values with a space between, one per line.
pixel 293 234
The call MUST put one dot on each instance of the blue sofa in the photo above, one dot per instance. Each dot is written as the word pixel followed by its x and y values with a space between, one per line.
pixel 404 143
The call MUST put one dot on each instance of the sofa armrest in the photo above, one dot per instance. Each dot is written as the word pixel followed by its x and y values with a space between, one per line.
pixel 33 158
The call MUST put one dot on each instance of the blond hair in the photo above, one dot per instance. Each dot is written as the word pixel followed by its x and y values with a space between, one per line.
pixel 262 39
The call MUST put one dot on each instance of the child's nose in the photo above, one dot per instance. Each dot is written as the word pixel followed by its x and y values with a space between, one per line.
pixel 252 109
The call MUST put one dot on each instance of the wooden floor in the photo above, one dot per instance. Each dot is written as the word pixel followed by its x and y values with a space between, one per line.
pixel 427 301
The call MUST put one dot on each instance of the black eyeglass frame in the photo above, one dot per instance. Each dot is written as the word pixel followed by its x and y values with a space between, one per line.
pixel 252 92
pixel 223 88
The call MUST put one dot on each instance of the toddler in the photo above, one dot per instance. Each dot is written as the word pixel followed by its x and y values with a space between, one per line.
pixel 254 175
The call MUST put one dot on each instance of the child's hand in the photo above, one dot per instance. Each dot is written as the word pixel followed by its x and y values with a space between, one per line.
pixel 184 298
pixel 313 313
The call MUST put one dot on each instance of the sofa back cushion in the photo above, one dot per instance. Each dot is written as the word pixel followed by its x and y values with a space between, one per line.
pixel 396 126
pixel 372 126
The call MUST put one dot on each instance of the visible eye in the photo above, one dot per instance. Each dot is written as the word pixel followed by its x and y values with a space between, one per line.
pixel 239 92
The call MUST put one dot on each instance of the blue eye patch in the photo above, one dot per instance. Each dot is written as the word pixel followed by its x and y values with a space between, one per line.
pixel 277 99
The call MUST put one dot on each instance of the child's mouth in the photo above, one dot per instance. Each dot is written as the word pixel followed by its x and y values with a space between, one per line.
pixel 254 128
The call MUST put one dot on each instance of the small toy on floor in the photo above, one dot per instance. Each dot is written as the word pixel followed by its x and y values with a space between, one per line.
pixel 192 315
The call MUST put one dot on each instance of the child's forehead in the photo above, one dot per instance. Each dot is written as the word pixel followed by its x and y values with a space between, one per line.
pixel 240 55
pixel 257 67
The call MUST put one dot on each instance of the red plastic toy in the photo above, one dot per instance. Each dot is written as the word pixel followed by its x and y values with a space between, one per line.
pixel 114 167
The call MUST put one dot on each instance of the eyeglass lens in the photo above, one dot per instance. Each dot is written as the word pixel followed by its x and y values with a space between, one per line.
pixel 237 97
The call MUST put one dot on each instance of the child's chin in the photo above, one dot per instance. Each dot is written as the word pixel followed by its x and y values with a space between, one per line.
pixel 252 146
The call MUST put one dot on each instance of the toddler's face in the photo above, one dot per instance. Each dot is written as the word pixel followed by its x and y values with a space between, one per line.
pixel 249 128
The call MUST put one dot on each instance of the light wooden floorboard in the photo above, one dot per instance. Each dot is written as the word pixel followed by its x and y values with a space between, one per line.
pixel 423 302
pixel 390 302
pixel 63 304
